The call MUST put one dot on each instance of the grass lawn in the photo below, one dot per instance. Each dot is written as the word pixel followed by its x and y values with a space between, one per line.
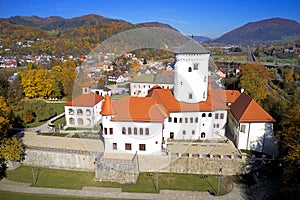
pixel 58 107
pixel 59 121
pixel 20 196
pixel 54 178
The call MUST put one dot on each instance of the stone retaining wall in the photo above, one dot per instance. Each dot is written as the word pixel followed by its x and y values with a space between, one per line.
pixel 193 165
pixel 60 160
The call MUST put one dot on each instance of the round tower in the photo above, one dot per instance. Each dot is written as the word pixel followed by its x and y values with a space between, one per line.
pixel 191 73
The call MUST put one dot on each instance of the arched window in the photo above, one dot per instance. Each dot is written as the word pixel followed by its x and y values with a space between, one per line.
pixel 170 119
pixel 88 112
pixel 123 130
pixel 191 120
pixel 180 120
pixel 79 112
pixel 135 131
pixel 141 131
pixel 186 120
pixel 190 69
pixel 209 115
pixel 202 135
pixel 88 122
pixel 129 131
pixel 175 119
pixel 196 119
pixel 203 115
pixel 71 111
pixel 71 121
pixel 203 94
pixel 147 131
pixel 80 122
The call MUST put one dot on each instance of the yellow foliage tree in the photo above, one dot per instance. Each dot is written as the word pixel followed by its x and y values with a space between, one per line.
pixel 10 149
pixel 134 68
pixel 5 122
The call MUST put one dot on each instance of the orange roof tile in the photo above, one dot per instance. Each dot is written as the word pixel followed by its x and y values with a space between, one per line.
pixel 143 109
pixel 228 96
pixel 107 108
pixel 85 100
pixel 245 109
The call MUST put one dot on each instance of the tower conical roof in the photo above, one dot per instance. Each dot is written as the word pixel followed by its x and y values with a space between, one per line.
pixel 192 47
pixel 107 108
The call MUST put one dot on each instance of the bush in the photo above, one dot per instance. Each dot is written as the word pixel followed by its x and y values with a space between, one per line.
pixel 38 109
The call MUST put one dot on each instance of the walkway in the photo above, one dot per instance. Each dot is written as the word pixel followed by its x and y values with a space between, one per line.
pixel 101 192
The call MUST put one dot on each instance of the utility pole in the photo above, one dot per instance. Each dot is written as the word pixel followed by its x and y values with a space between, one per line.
pixel 156 175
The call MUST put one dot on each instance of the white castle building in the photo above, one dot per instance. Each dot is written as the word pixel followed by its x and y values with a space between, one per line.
pixel 192 112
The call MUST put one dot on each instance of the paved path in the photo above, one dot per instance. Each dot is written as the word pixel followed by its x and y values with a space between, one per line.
pixel 101 192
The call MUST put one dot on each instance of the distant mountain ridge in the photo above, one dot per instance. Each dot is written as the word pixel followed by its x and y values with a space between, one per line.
pixel 274 30
pixel 59 23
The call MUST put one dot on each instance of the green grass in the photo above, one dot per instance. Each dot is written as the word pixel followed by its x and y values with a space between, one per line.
pixel 58 107
pixel 60 134
pixel 67 179
pixel 21 196
pixel 59 121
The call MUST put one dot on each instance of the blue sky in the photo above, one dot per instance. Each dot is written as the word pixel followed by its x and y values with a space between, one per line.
pixel 210 18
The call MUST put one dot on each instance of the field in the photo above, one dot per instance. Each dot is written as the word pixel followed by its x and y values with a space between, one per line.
pixel 146 182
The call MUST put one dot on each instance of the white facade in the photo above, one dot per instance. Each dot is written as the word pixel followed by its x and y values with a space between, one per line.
pixel 191 77
pixel 141 89
pixel 77 116
pixel 253 136
pixel 195 125
pixel 132 137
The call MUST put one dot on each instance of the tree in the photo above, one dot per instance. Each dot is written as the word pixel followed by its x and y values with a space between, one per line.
pixel 134 67
pixel 287 74
pixel 254 79
pixel 28 83
pixel 10 149
pixel 290 141
pixel 69 74
pixel 5 118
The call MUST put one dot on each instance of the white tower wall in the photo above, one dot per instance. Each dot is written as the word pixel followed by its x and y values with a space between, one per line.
pixel 191 77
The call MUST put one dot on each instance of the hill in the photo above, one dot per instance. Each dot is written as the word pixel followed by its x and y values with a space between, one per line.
pixel 269 31
pixel 58 36
pixel 200 39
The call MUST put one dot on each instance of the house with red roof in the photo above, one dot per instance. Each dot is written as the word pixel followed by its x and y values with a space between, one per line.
pixel 250 126
pixel 83 111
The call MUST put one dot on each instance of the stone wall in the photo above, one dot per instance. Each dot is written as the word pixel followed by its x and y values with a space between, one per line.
pixel 117 170
pixel 193 165
pixel 60 160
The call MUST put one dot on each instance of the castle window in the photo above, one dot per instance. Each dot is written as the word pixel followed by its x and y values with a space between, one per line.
pixel 129 131
pixel 170 119
pixel 115 146
pixel 222 116
pixel 190 95
pixel 186 120
pixel 175 119
pixel 147 131
pixel 105 131
pixel 142 147
pixel 193 132
pixel 127 146
pixel 203 94
pixel 243 128
pixel 204 78
pixel 181 83
pixel 135 131
pixel 180 120
pixel 183 132
pixel 209 115
pixel 141 131
pixel 71 111
pixel 196 66
pixel 111 131
pixel 217 116
pixel 202 135
pixel 203 115
pixel 79 112
pixel 196 120
pixel 190 69
pixel 123 130
pixel 88 112
pixel 191 120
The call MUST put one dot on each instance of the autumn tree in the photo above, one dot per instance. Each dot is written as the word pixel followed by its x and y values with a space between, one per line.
pixel 290 141
pixel 134 68
pixel 10 148
pixel 69 74
pixel 254 79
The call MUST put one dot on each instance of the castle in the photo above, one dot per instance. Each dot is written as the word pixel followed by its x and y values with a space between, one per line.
pixel 192 112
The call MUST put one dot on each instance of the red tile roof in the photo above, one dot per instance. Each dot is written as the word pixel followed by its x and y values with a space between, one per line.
pixel 85 100
pixel 86 84
pixel 107 108
pixel 245 109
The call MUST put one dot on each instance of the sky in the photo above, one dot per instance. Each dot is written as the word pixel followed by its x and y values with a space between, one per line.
pixel 211 18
